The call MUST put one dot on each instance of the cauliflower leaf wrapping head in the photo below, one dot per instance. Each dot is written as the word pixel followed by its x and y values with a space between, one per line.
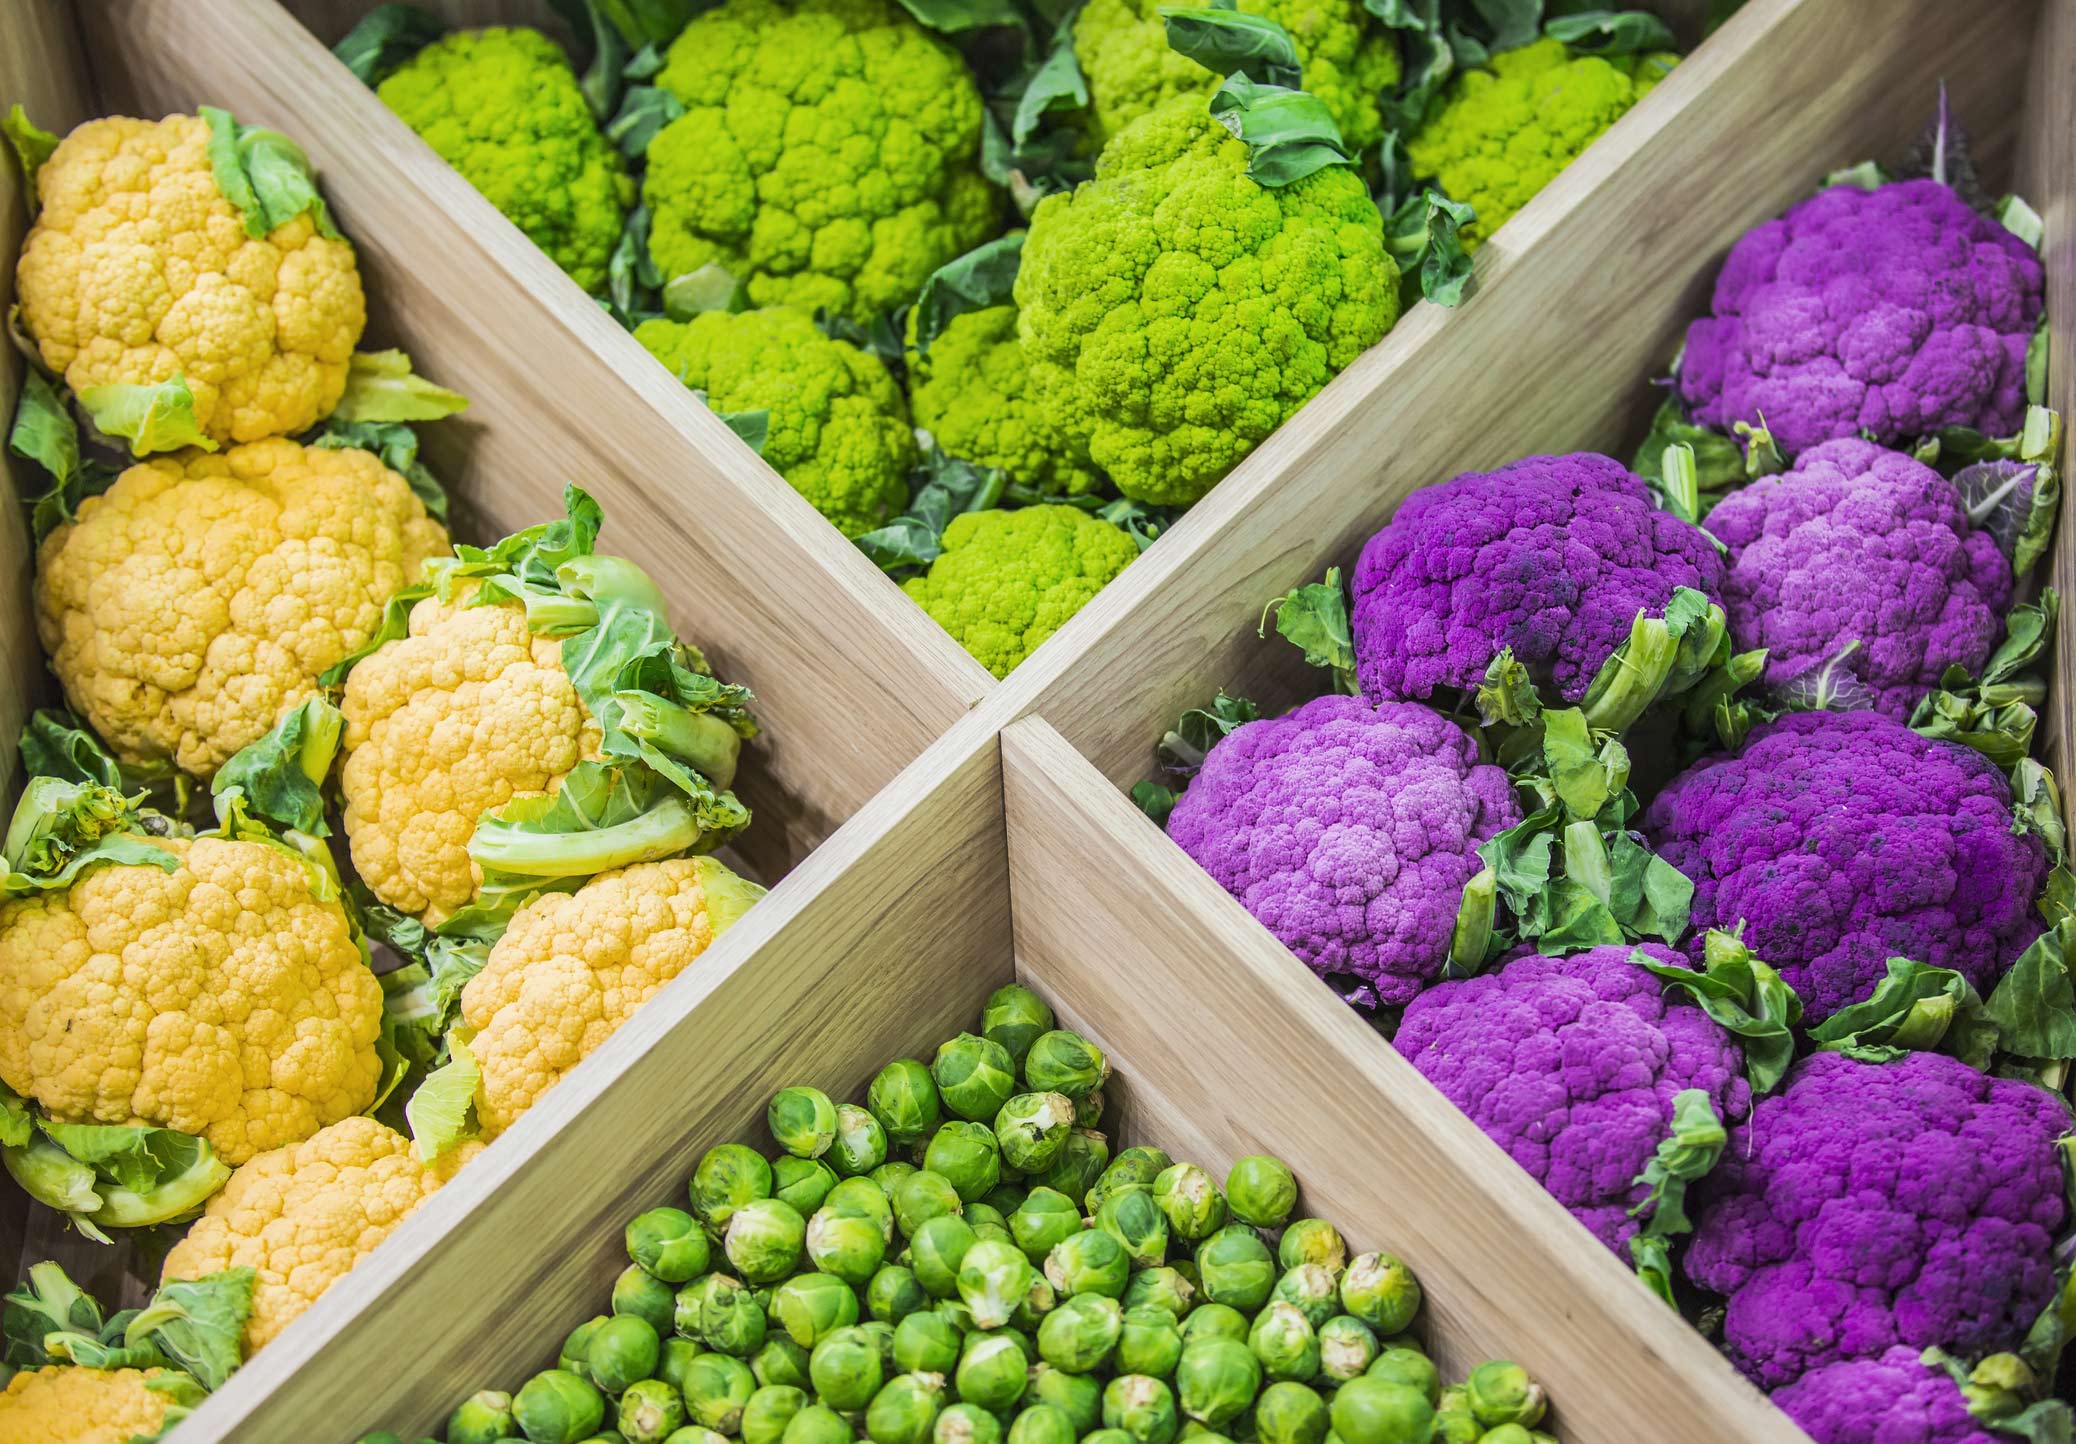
pixel 502 106
pixel 301 1216
pixel 1890 313
pixel 829 156
pixel 1551 556
pixel 1839 840
pixel 1349 829
pixel 1891 1396
pixel 972 393
pixel 1174 312
pixel 1860 544
pixel 139 270
pixel 837 428
pixel 68 1404
pixel 1571 1065
pixel 203 595
pixel 1871 1205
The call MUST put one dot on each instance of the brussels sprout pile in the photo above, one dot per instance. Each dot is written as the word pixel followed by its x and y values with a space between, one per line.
pixel 963 1261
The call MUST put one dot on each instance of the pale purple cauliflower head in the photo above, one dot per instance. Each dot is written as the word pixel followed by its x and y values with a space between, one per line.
pixel 1892 312
pixel 1894 1399
pixel 1843 839
pixel 1552 555
pixel 1870 1205
pixel 1571 1065
pixel 1350 830
pixel 1858 543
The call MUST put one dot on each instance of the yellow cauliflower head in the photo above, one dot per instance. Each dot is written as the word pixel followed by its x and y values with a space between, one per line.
pixel 300 1217
pixel 138 270
pixel 222 999
pixel 198 599
pixel 67 1405
pixel 572 967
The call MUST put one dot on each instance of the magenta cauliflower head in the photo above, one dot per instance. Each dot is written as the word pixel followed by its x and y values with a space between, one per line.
pixel 1840 840
pixel 1867 1205
pixel 1894 1399
pixel 1552 556
pixel 1350 830
pixel 1571 1065
pixel 1860 544
pixel 1890 313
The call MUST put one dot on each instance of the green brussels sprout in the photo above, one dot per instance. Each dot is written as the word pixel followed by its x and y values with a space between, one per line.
pixel 862 1198
pixel 1401 1365
pixel 992 1371
pixel 1038 1303
pixel 1041 1424
pixel 1149 1341
pixel 847 1369
pixel 1130 1216
pixel 1190 1200
pixel 780 1361
pixel 926 1343
pixel 1457 1426
pixel 669 1243
pixel 981 1216
pixel 1313 1241
pixel 1500 1392
pixel 818 1424
pixel 1108 1436
pixel 1291 1413
pixel 1347 1348
pixel 576 1345
pixel 650 1412
pixel 1311 1288
pixel 802 1121
pixel 861 1144
pixel 1261 1190
pixel 966 1155
pixel 882 1336
pixel 1080 1163
pixel 1133 1168
pixel 1141 1406
pixel 935 1252
pixel 764 1240
pixel 1032 1128
pixel 804 1183
pixel 1506 1434
pixel 693 1434
pixel 923 1196
pixel 1064 1062
pixel 1081 1333
pixel 1007 1198
pixel 1236 1268
pixel 903 1097
pixel 558 1407
pixel 1046 1219
pixel 1283 1339
pixel 728 1177
pixel 621 1350
pixel 974 1077
pixel 1078 1396
pixel 966 1424
pixel 904 1409
pixel 1381 1291
pixel 993 1279
pixel 1015 1017
pixel 769 1411
pixel 671 1357
pixel 1089 1262
pixel 1376 1411
pixel 1216 1380
pixel 1214 1321
pixel 889 1176
pixel 641 1293
pixel 810 1307
pixel 1088 1112
pixel 846 1245
pixel 482 1418
pixel 1160 1288
pixel 722 1314
pixel 717 1386
pixel 892 1294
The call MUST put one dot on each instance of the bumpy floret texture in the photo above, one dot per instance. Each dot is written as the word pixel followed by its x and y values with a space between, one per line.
pixel 1349 829
pixel 464 714
pixel 572 967
pixel 1123 49
pixel 1552 556
pixel 302 1216
pixel 1857 543
pixel 138 270
pixel 1571 1065
pixel 222 999
pixel 1173 312
pixel 502 107
pixel 1842 839
pixel 1893 1399
pixel 200 597
pixel 973 395
pixel 1502 133
pixel 1870 1205
pixel 829 157
pixel 1891 312
pixel 838 429
pixel 63 1405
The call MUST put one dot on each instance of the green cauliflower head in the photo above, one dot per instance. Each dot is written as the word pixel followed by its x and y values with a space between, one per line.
pixel 1503 133
pixel 973 395
pixel 502 107
pixel 1010 579
pixel 829 156
pixel 838 430
pixel 1123 49
pixel 1174 312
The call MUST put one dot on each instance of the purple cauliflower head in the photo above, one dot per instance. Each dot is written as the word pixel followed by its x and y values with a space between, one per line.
pixel 1858 543
pixel 1890 313
pixel 1843 839
pixel 1893 1399
pixel 1870 1205
pixel 1349 829
pixel 1552 556
pixel 1571 1065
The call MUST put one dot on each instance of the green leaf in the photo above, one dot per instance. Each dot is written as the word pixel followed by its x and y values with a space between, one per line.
pixel 17 1124
pixel 441 1109
pixel 1474 936
pixel 1662 656
pixel 1225 41
pixel 395 624
pixel 607 46
pixel 1586 771
pixel 1744 995
pixel 1055 84
pixel 1718 460
pixel 385 38
pixel 956 17
pixel 644 111
pixel 1507 697
pixel 90 1352
pixel 266 176
pixel 54 744
pixel 1915 1008
pixel 1684 1155
pixel 1289 134
pixel 752 428
pixel 32 147
pixel 47 1302
pixel 712 287
pixel 2034 1005
pixel 106 1176
pixel 396 446
pixel 1648 896
pixel 45 433
pixel 632 277
pixel 984 277
pixel 199 1323
pixel 60 829
pixel 1424 235
pixel 150 418
pixel 948 487
pixel 2036 808
pixel 1652 1257
pixel 1611 32
pixel 382 387
pixel 880 337
pixel 1314 618
pixel 282 772
pixel 651 23
pixel 1155 801
pixel 1143 522
pixel 1183 748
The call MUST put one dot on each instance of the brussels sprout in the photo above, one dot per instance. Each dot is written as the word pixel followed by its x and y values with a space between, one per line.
pixel 1143 1407
pixel 847 1369
pixel 1216 1379
pixel 717 1386
pixel 1088 1112
pixel 728 1177
pixel 935 1252
pixel 1214 1321
pixel 558 1407
pixel 889 1176
pixel 802 1121
pixel 860 1145
pixel 1080 1163
pixel 818 1424
pixel 1130 1216
pixel 1347 1347
pixel 1133 1168
pixel 1014 1018
pixel 576 1345
pixel 1089 1262
pixel 671 1357
pixel 846 1245
pixel 1500 1392
pixel 641 1293
pixel 1078 1396
pixel 1283 1340
pixel 882 1336
pixel 621 1350
pixel 1007 1198
pixel 1190 1200
pixel 903 1097
pixel 482 1418
pixel 974 1077
pixel 1312 1241
pixel 650 1412
pixel 1108 1436
pixel 1290 1413
pixel 1160 1288
pixel 780 1361
pixel 992 1371
pixel 923 1196
pixel 993 1279
pixel 804 1183
pixel 1064 1062
pixel 1312 1290
pixel 1038 1302
pixel 1081 1333
pixel 669 1243
pixel 1507 1434
pixel 691 1434
pixel 862 1198
pixel 966 1424
pixel 1236 1268
pixel 764 1240
pixel 723 1315
pixel 1046 1219
pixel 892 1294
pixel 1381 1291
pixel 1399 1365
pixel 925 1343
pixel 1041 1424
pixel 904 1409
pixel 1260 1190
pixel 965 1154
pixel 1377 1411
pixel 769 1411
pixel 984 1219
pixel 1032 1128
pixel 810 1307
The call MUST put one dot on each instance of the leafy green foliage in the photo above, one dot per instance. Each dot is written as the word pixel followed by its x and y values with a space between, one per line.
pixel 264 174
pixel 1314 618
pixel 985 276
pixel 382 387
pixel 153 418
pixel 1747 997
pixel 32 147
pixel 947 487
pixel 396 446
pixel 1994 712
pixel 282 772
pixel 1915 1008
pixel 384 39
pixel 1424 235
pixel 1289 133
pixel 1226 40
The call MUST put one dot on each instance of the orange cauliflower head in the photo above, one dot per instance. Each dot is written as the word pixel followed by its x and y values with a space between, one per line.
pixel 223 998
pixel 65 1405
pixel 197 600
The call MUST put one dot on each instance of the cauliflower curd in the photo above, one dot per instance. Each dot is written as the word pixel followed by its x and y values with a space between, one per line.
pixel 65 1405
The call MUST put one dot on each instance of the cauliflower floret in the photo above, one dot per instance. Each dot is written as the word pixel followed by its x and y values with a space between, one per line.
pixel 829 156
pixel 303 1215
pixel 197 600
pixel 973 395
pixel 138 270
pixel 222 999
pixel 572 967
pixel 63 1405
pixel 1350 831
pixel 1894 1399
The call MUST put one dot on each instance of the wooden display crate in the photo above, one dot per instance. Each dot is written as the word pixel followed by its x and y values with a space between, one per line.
pixel 939 834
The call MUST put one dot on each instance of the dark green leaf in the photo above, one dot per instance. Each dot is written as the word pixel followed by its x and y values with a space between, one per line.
pixel 385 38
pixel 1055 84
pixel 984 277
pixel 1289 134
pixel 751 427
pixel 2034 1006
pixel 54 744
pixel 1649 897
pixel 1718 461
pixel 1611 32
pixel 282 773
pixel 1424 235
pixel 199 1323
pixel 1747 997
pixel 1314 617
pixel 1183 748
pixel 606 45
pixel 632 279
pixel 47 1302
pixel 1155 801
pixel 1652 1257
pixel 1915 1008
pixel 644 110
pixel 955 17
pixel 1507 24
pixel 881 337
pixel 1226 41
pixel 948 487
pixel 1684 1155
pixel 651 23
pixel 1142 521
